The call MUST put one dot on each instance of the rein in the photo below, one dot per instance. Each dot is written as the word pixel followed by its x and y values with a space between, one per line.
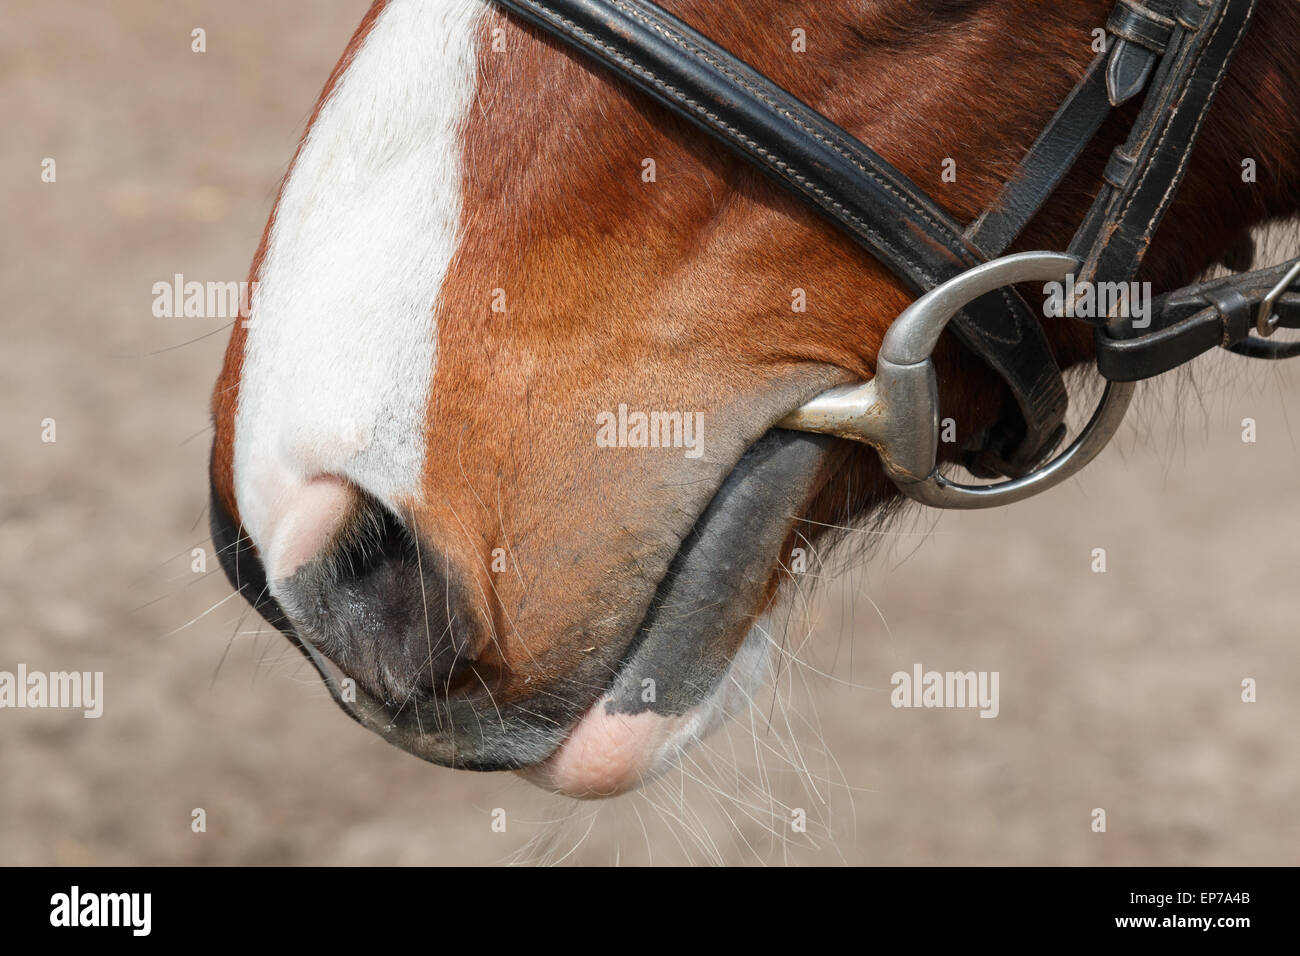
pixel 1175 51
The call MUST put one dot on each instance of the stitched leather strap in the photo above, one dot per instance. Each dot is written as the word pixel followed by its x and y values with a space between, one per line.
pixel 1191 321
pixel 1139 34
pixel 849 183
pixel 1148 169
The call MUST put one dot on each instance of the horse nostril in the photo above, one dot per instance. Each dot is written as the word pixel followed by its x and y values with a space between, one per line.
pixel 386 608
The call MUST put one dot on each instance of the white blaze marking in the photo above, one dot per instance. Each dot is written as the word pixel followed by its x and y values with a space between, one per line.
pixel 342 344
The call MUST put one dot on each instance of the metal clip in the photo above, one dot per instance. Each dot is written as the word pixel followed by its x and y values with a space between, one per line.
pixel 1266 322
pixel 897 412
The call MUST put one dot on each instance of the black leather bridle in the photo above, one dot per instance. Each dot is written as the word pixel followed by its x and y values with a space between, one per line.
pixel 1176 51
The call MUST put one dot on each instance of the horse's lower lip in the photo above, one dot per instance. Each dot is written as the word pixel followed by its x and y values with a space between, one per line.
pixel 702 612
pixel 720 575
pixel 608 753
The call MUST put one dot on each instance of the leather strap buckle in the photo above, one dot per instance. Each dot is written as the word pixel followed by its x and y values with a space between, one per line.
pixel 1135 22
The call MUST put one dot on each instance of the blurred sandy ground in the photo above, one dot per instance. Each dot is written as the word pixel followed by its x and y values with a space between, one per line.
pixel 1119 690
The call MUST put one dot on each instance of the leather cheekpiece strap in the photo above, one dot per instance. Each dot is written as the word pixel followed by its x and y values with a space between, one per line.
pixel 1124 218
pixel 1048 161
